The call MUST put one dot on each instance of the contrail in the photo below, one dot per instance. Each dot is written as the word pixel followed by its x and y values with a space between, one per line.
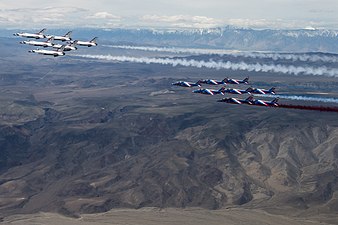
pixel 288 56
pixel 302 98
pixel 256 55
pixel 257 67
pixel 174 49
pixel 309 107
pixel 302 107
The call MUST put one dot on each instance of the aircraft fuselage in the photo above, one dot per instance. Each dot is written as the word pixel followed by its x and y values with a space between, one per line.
pixel 29 35
pixel 59 38
pixel 48 52
pixel 37 43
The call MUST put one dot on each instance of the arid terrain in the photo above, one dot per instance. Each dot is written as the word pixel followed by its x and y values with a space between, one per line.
pixel 168 216
pixel 81 137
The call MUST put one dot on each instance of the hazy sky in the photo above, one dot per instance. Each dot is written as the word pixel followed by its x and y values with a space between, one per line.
pixel 169 13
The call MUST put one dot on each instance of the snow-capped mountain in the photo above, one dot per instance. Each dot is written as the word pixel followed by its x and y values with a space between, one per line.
pixel 302 40
pixel 230 38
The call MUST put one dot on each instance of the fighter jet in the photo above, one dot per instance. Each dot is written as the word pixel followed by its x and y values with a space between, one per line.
pixel 68 47
pixel 272 103
pixel 209 91
pixel 65 37
pixel 88 43
pixel 186 84
pixel 211 82
pixel 230 100
pixel 236 91
pixel 247 101
pixel 262 91
pixel 48 43
pixel 30 35
pixel 55 53
pixel 234 81
pixel 237 101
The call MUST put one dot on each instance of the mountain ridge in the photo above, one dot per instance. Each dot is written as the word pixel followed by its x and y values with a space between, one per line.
pixel 230 38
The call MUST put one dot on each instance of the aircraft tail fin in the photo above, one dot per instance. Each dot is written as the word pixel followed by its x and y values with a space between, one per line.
pixel 275 100
pixel 249 89
pixel 41 31
pixel 225 80
pixel 62 48
pixel 93 40
pixel 250 98
pixel 68 34
pixel 272 90
pixel 51 39
pixel 74 43
pixel 245 80
pixel 222 89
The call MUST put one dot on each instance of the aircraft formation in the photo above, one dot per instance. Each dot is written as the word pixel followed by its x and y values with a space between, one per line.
pixel 58 49
pixel 222 91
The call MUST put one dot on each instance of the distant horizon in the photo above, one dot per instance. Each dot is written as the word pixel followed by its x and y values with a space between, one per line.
pixel 255 14
pixel 33 28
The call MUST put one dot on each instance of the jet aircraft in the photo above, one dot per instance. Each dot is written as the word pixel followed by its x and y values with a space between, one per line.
pixel 48 43
pixel 55 53
pixel 261 91
pixel 234 81
pixel 88 43
pixel 211 82
pixel 186 84
pixel 230 100
pixel 272 103
pixel 235 91
pixel 209 91
pixel 68 47
pixel 65 37
pixel 32 35
pixel 237 101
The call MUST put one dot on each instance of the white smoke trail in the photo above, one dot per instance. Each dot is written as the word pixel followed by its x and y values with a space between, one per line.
pixel 256 55
pixel 257 67
pixel 174 50
pixel 302 98
pixel 288 56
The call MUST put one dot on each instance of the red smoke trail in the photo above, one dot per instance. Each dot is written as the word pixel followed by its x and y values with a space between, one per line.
pixel 308 107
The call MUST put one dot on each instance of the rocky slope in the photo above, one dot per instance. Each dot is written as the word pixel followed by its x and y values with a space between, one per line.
pixel 124 158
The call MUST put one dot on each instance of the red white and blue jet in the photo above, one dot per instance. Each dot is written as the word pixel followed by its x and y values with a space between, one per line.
pixel 230 100
pixel 234 81
pixel 237 101
pixel 211 82
pixel 187 84
pixel 262 91
pixel 236 91
pixel 210 91
pixel 272 103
